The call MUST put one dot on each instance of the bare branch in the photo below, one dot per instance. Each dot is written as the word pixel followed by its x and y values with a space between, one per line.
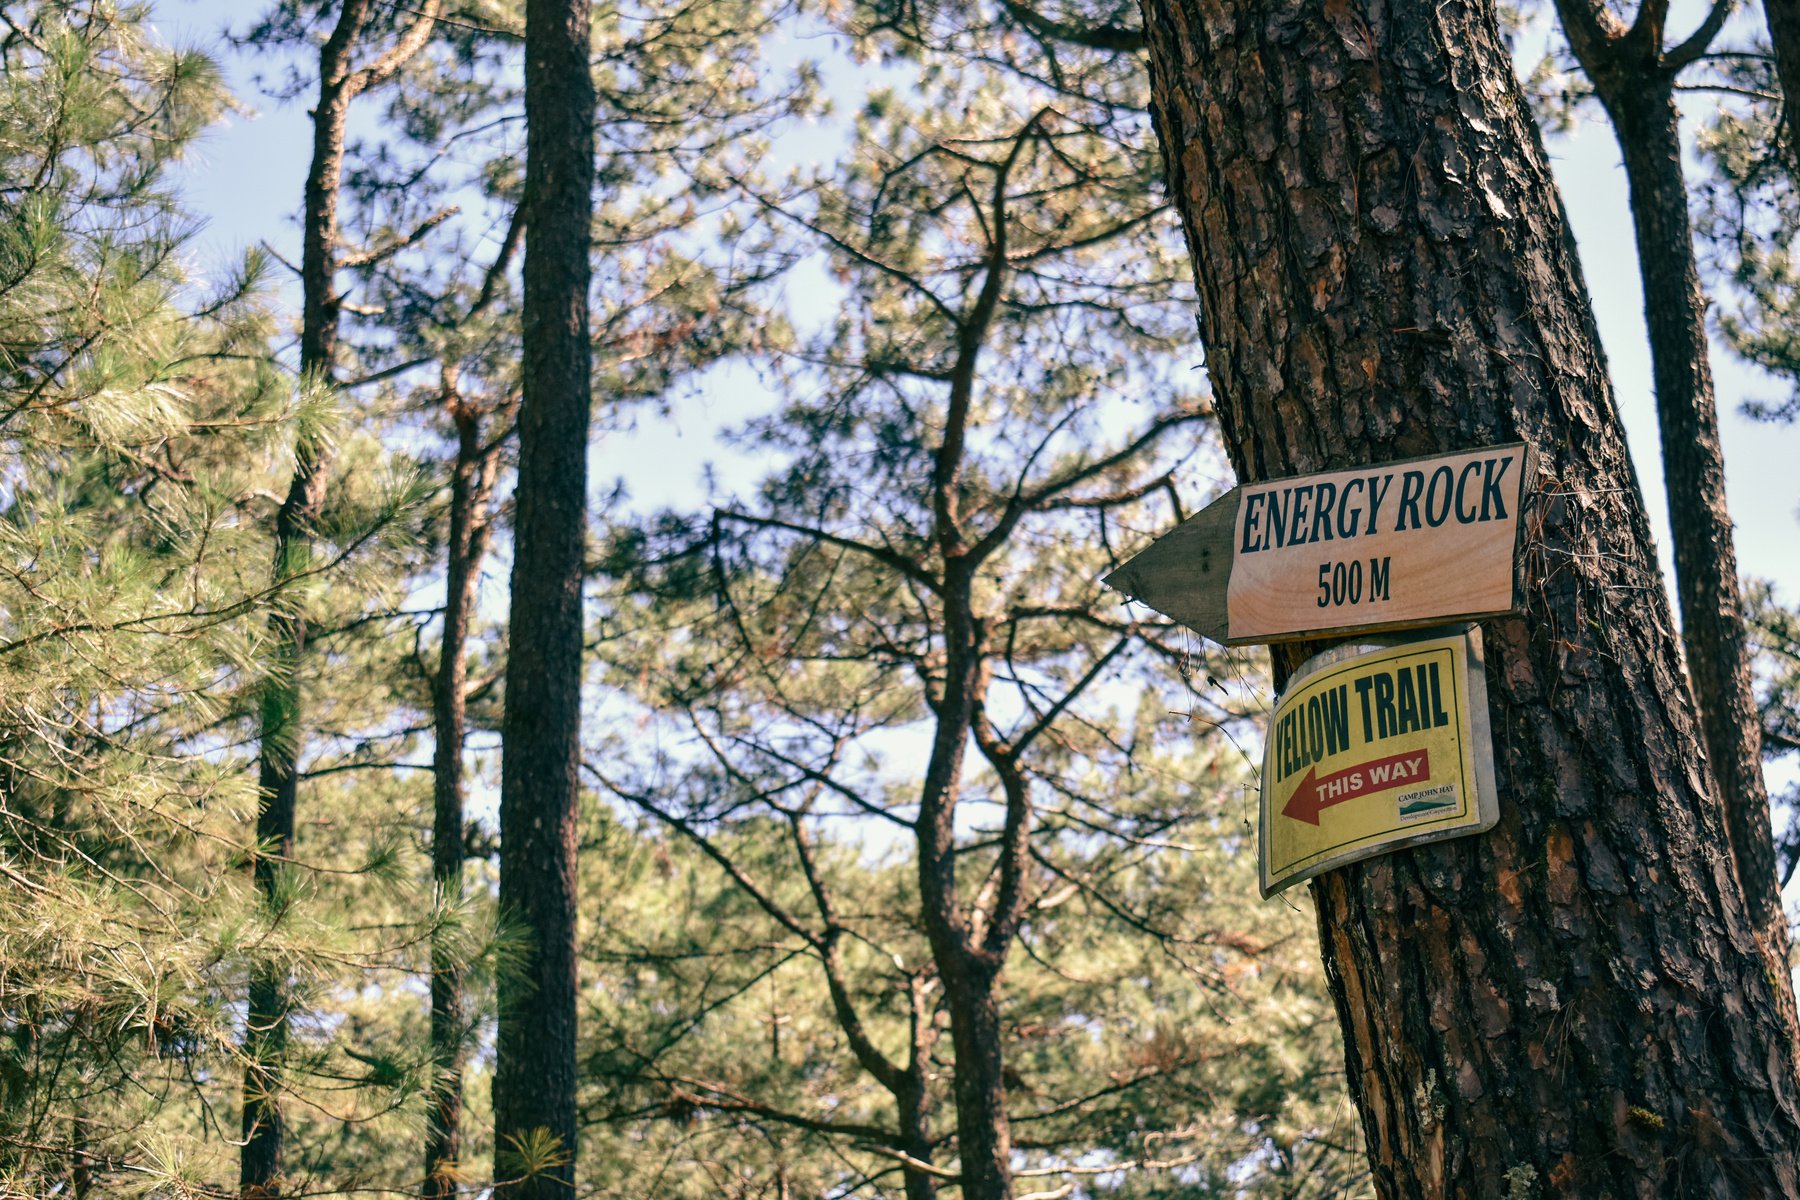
pixel 1024 501
pixel 509 245
pixel 1697 42
pixel 881 554
pixel 703 1093
pixel 825 780
pixel 706 846
pixel 1024 740
pixel 910 281
pixel 371 255
pixel 417 34
pixel 1122 39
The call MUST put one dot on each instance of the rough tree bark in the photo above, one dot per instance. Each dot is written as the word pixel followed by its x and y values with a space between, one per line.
pixel 1574 1003
pixel 471 488
pixel 282 725
pixel 534 1076
pixel 1634 76
pixel 1784 35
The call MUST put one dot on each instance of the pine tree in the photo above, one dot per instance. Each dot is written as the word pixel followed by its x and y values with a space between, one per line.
pixel 137 405
pixel 431 349
pixel 1532 1005
pixel 534 1078
pixel 1634 73
pixel 283 729
pixel 922 564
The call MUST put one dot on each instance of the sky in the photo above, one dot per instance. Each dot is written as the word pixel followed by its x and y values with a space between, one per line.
pixel 247 178
pixel 246 182
pixel 1760 458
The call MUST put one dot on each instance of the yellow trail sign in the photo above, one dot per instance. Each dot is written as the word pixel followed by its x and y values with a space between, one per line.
pixel 1374 746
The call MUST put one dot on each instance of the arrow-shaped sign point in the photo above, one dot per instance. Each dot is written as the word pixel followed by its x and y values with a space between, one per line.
pixel 1304 804
pixel 1186 573
pixel 1314 794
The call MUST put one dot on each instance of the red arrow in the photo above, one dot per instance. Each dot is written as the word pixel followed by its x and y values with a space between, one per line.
pixel 1314 795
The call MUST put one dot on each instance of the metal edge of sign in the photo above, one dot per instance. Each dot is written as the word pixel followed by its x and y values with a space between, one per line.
pixel 1487 800
pixel 1382 630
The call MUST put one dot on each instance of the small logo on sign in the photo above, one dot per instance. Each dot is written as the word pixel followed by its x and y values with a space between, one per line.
pixel 1424 804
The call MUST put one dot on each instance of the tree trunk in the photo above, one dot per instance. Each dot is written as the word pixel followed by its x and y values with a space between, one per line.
pixel 534 1077
pixel 1784 35
pixel 1635 82
pixel 1706 575
pixel 1573 1003
pixel 983 1132
pixel 471 484
pixel 282 732
pixel 970 975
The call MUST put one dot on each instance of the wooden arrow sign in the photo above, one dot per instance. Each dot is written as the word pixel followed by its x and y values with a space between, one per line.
pixel 1395 546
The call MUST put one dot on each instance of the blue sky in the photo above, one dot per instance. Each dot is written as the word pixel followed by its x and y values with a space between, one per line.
pixel 247 181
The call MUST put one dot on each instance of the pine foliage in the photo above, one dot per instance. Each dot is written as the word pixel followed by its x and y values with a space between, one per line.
pixel 909 266
pixel 139 409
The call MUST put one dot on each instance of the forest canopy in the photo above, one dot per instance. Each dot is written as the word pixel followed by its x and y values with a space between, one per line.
pixel 562 649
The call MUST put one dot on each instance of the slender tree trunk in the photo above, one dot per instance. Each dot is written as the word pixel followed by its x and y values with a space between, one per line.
pixel 283 729
pixel 1573 1003
pixel 970 976
pixel 1706 575
pixel 1784 35
pixel 914 1100
pixel 534 1079
pixel 471 485
pixel 1636 86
